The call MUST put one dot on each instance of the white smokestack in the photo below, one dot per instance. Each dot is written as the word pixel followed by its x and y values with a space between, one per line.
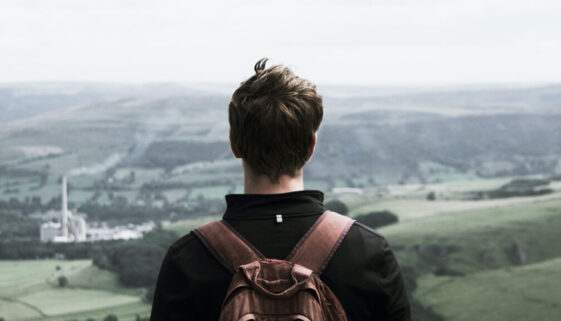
pixel 64 214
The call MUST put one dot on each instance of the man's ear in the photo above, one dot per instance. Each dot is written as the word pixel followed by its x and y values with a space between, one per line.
pixel 233 148
pixel 312 147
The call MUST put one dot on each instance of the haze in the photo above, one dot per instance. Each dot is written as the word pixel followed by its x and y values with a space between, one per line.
pixel 331 42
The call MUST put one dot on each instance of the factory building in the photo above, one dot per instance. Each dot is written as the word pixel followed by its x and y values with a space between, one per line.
pixel 62 226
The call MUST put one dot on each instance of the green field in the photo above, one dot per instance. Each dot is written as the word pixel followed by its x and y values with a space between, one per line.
pixel 185 226
pixel 465 260
pixel 29 290
pixel 126 312
pixel 412 209
pixel 18 278
pixel 173 195
pixel 142 175
pixel 213 192
pixel 64 301
pixel 516 294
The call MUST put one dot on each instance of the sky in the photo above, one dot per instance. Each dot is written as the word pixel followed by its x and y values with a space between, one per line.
pixel 368 43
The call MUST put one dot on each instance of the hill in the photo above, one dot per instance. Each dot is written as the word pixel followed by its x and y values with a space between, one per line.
pixel 495 263
pixel 409 138
pixel 519 293
pixel 160 153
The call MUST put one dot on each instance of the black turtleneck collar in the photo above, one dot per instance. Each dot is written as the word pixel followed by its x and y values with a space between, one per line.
pixel 264 206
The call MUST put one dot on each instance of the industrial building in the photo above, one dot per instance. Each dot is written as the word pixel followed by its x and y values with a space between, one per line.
pixel 62 226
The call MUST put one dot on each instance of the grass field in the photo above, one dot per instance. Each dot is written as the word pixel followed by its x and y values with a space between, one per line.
pixel 57 165
pixel 68 300
pixel 482 279
pixel 409 202
pixel 418 208
pixel 126 312
pixel 213 192
pixel 516 294
pixel 480 239
pixel 29 290
pixel 19 278
pixel 185 226
pixel 14 310
pixel 79 196
pixel 172 195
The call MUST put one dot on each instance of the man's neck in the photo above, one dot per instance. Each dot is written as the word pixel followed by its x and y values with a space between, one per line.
pixel 261 184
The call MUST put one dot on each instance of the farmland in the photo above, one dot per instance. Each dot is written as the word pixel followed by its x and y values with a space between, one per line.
pixel 517 293
pixel 497 263
pixel 29 290
pixel 474 177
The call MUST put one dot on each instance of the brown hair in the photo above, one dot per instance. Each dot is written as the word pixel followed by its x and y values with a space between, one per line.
pixel 273 118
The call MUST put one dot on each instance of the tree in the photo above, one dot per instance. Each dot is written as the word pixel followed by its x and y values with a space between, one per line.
pixel 62 281
pixel 337 206
pixel 111 317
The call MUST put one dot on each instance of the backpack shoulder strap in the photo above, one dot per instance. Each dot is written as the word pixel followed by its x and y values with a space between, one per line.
pixel 319 244
pixel 227 245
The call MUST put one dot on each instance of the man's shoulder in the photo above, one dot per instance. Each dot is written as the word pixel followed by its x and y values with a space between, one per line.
pixel 190 256
pixel 186 244
pixel 364 240
pixel 367 232
pixel 362 248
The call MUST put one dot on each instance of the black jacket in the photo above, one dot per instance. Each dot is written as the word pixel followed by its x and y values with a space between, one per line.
pixel 363 273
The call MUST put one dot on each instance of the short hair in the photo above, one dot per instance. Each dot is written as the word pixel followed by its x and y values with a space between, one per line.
pixel 273 117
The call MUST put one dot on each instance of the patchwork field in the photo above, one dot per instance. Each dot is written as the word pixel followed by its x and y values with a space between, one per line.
pixel 29 290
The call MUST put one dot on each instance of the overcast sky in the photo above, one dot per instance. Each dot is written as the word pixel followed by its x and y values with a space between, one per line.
pixel 385 42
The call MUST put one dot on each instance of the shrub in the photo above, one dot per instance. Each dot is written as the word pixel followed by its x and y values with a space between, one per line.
pixel 62 281
pixel 378 219
pixel 337 206
pixel 443 270
pixel 136 262
pixel 431 196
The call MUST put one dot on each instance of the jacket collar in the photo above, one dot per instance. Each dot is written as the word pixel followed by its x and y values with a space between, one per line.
pixel 264 206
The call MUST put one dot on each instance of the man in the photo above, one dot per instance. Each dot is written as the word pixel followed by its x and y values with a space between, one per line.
pixel 274 117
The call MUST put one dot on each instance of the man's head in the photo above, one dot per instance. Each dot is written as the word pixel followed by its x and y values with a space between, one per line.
pixel 274 116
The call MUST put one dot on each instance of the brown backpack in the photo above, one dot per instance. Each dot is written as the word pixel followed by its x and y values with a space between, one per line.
pixel 265 289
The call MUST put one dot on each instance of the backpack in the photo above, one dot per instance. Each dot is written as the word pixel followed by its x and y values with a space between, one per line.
pixel 264 289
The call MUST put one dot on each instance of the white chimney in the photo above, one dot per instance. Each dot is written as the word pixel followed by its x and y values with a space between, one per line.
pixel 64 213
